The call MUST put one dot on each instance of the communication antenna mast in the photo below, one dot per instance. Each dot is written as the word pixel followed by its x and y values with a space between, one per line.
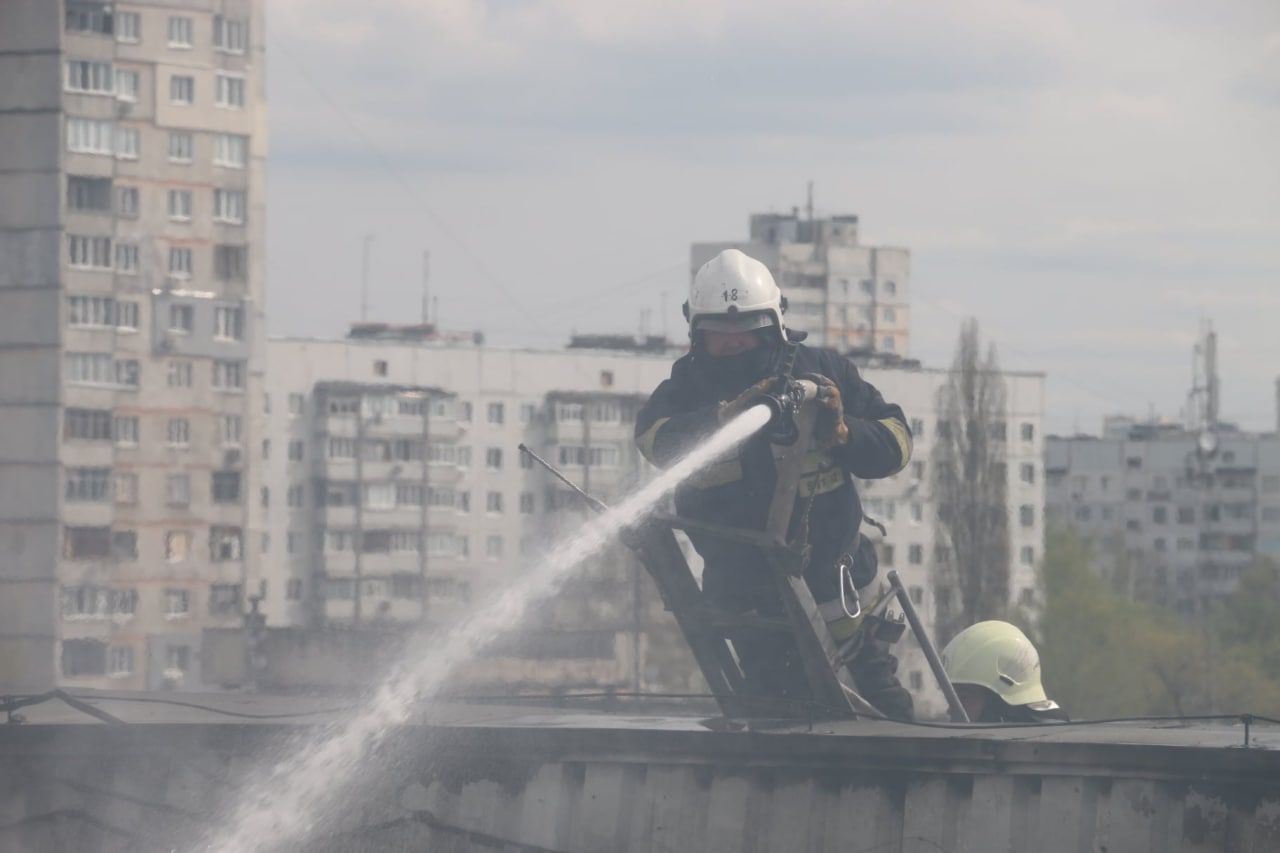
pixel 426 288
pixel 364 279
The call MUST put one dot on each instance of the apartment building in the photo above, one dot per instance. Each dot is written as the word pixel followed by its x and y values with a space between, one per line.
pixel 847 296
pixel 490 510
pixel 1176 514
pixel 132 191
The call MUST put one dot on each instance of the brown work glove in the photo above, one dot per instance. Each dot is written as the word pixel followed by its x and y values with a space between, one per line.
pixel 830 429
pixel 730 409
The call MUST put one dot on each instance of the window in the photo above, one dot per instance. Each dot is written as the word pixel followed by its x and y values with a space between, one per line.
pixel 83 657
pixel 126 489
pixel 296 496
pixel 89 253
pixel 493 547
pixel 297 404
pixel 915 554
pixel 232 431
pixel 124 545
pixel 230 150
pixel 225 544
pixel 128 26
pixel 128 258
pixel 88 19
pixel 125 429
pixel 493 502
pixel 86 543
pixel 180 205
pixel 182 89
pixel 125 372
pixel 1028 432
pixel 228 323
pixel 296 450
pixel 177 660
pixel 226 487
pixel 1028 472
pixel 1160 515
pixel 88 484
pixel 228 374
pixel 128 143
pixel 917 428
pixel 493 458
pixel 127 84
pixel 96 311
pixel 180 262
pixel 230 92
pixel 91 195
pixel 180 374
pixel 380 496
pixel 86 425
pixel 177 602
pixel 228 206
pixel 94 78
pixel 496 413
pixel 181 146
pixel 293 589
pixel 916 512
pixel 1027 555
pixel 1027 515
pixel 88 368
pixel 127 201
pixel 120 660
pixel 180 32
pixel 89 136
pixel 230 34
pixel 230 263
pixel 182 317
pixel 178 490
pixel 179 432
pixel 526 502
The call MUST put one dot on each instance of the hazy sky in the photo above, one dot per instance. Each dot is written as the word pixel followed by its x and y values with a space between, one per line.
pixel 1088 179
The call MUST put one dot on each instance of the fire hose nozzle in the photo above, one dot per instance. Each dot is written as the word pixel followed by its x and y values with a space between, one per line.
pixel 783 406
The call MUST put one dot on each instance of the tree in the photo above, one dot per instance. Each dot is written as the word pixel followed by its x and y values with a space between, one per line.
pixel 970 488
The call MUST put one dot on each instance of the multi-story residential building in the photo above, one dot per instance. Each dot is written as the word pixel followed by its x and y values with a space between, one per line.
pixel 847 296
pixel 131 281
pixel 491 510
pixel 1175 515
pixel 914 544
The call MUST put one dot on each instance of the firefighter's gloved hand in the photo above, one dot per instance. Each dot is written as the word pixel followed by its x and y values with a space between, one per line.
pixel 732 408
pixel 830 430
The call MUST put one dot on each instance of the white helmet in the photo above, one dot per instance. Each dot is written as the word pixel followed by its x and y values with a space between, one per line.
pixel 999 657
pixel 733 292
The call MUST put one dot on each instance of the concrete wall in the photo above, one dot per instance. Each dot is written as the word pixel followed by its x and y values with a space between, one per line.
pixel 562 784
pixel 30 359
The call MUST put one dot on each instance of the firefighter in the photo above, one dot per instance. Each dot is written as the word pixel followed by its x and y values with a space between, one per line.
pixel 739 345
pixel 996 672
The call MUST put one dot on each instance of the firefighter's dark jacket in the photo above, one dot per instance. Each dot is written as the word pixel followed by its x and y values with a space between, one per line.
pixel 736 491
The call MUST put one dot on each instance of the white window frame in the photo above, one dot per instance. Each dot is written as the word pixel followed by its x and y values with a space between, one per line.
pixel 182 89
pixel 128 26
pixel 230 91
pixel 230 35
pixel 90 136
pixel 128 201
pixel 128 82
pixel 179 432
pixel 230 150
pixel 89 253
pixel 89 77
pixel 128 143
pixel 229 206
pixel 128 258
pixel 231 430
pixel 181 146
pixel 181 32
pixel 228 375
pixel 127 313
pixel 181 262
pixel 228 323
pixel 180 204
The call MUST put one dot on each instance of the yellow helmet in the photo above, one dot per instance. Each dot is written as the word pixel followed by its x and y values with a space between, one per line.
pixel 999 657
